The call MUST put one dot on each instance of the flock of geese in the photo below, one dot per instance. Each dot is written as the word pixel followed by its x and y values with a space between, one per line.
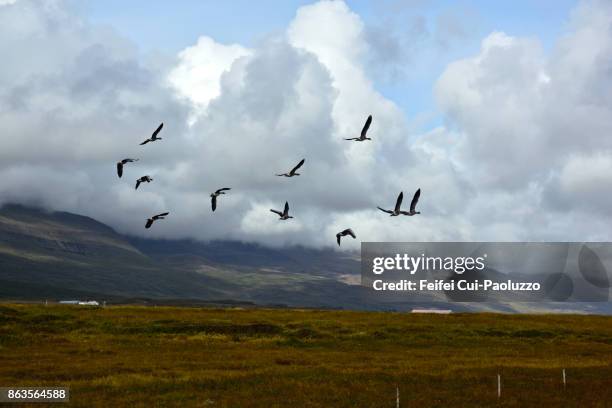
pixel 284 214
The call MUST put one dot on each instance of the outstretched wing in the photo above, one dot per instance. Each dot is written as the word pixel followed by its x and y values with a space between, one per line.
pixel 352 138
pixel 161 215
pixel 138 183
pixel 157 130
pixel 286 210
pixel 222 189
pixel 338 235
pixel 120 169
pixel 383 210
pixel 293 170
pixel 145 142
pixel 398 203
pixel 415 200
pixel 213 202
pixel 364 131
pixel 280 214
pixel 149 223
pixel 349 232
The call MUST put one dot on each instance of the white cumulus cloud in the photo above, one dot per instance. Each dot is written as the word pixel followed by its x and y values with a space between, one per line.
pixel 523 154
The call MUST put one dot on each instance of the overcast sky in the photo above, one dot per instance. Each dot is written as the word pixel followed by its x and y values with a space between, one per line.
pixel 506 127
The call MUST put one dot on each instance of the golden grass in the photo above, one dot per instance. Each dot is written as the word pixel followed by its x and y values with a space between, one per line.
pixel 194 357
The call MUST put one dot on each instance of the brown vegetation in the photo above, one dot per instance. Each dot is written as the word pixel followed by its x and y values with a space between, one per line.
pixel 162 356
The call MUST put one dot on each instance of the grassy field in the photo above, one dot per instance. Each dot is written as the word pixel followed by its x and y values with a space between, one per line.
pixel 163 356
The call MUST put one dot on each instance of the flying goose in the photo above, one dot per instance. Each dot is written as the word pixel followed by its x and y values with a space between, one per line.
pixel 364 131
pixel 285 214
pixel 120 165
pixel 413 203
pixel 154 137
pixel 293 170
pixel 143 179
pixel 344 233
pixel 155 218
pixel 213 196
pixel 398 204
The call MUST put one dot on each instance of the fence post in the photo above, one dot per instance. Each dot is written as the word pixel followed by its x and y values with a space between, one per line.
pixel 498 385
pixel 564 382
pixel 397 404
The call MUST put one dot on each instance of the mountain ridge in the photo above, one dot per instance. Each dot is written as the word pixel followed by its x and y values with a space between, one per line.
pixel 59 255
pixel 60 252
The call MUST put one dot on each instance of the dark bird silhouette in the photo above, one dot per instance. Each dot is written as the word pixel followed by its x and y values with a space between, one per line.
pixel 155 218
pixel 398 204
pixel 364 131
pixel 120 165
pixel 154 137
pixel 293 170
pixel 285 214
pixel 213 196
pixel 344 233
pixel 413 203
pixel 143 179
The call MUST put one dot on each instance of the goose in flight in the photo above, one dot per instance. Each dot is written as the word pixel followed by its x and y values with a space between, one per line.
pixel 155 218
pixel 213 196
pixel 285 214
pixel 413 203
pixel 364 131
pixel 344 233
pixel 143 179
pixel 293 170
pixel 120 165
pixel 154 137
pixel 398 205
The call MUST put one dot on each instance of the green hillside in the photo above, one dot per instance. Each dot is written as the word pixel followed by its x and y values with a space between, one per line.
pixel 62 255
pixel 58 255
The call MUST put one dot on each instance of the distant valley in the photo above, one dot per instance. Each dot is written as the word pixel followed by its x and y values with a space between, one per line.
pixel 59 255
